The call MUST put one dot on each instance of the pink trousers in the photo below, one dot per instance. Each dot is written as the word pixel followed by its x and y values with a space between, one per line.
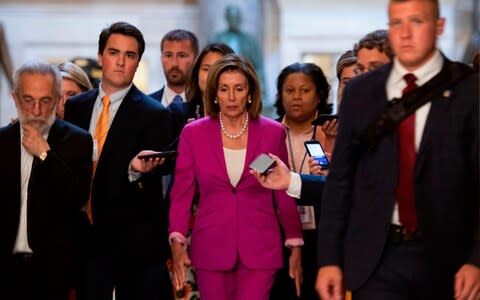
pixel 240 283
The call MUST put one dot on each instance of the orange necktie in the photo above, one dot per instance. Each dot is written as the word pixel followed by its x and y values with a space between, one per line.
pixel 101 131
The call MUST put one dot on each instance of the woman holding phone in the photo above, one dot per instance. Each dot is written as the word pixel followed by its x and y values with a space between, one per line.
pixel 302 93
pixel 236 244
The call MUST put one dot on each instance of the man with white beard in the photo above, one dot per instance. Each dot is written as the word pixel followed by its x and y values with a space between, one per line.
pixel 46 164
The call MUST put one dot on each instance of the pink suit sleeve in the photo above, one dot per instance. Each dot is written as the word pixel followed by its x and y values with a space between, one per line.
pixel 183 188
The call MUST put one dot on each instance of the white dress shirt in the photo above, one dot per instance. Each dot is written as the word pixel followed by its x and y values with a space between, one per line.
pixel 169 94
pixel 394 87
pixel 26 159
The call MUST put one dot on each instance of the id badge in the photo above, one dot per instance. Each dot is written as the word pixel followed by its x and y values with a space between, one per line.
pixel 307 217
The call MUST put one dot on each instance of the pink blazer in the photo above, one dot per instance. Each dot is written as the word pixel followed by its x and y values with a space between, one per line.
pixel 231 221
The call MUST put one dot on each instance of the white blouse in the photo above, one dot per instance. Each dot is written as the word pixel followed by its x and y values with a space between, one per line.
pixel 234 160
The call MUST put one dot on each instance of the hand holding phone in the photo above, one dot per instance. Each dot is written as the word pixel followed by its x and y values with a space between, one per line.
pixel 262 164
pixel 315 150
pixel 321 119
pixel 160 154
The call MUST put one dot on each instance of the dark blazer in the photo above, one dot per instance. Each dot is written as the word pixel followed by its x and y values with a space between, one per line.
pixel 312 187
pixel 59 186
pixel 359 195
pixel 181 112
pixel 130 218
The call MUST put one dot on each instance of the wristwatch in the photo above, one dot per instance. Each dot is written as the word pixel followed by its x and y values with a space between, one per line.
pixel 43 155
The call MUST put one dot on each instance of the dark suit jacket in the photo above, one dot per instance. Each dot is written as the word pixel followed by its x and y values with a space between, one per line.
pixel 181 112
pixel 312 187
pixel 130 218
pixel 59 186
pixel 359 195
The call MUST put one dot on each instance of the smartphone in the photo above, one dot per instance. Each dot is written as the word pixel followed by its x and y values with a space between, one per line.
pixel 315 150
pixel 169 153
pixel 324 118
pixel 262 163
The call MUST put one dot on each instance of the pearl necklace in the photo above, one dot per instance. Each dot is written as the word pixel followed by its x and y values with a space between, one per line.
pixel 230 135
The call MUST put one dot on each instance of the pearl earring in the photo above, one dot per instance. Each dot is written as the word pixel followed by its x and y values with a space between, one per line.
pixel 215 101
pixel 249 99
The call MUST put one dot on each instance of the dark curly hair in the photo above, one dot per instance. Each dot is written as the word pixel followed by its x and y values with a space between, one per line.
pixel 377 39
pixel 322 87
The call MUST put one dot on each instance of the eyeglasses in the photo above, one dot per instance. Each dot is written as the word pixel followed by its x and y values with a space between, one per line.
pixel 360 69
pixel 44 103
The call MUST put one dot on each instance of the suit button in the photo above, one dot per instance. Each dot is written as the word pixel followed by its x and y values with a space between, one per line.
pixel 234 191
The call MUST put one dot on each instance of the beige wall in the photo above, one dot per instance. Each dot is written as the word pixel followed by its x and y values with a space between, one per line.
pixel 99 1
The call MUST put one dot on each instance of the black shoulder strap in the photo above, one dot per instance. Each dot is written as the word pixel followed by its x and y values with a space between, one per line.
pixel 399 109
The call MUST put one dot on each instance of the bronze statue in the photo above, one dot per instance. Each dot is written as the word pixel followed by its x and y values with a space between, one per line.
pixel 242 43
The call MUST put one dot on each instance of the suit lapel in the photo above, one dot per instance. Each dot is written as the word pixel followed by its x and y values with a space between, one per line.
pixel 217 145
pixel 54 134
pixel 121 124
pixel 12 163
pixel 438 110
pixel 84 113
pixel 252 144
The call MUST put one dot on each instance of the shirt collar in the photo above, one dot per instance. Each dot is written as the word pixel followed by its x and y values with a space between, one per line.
pixel 115 97
pixel 170 94
pixel 426 72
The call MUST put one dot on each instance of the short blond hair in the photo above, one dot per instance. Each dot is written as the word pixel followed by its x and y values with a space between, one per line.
pixel 228 63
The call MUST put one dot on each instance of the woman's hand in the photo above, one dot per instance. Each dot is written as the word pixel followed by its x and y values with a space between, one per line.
pixel 315 168
pixel 295 269
pixel 330 128
pixel 180 260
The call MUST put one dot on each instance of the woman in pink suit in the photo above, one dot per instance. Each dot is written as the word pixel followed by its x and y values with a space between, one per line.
pixel 236 244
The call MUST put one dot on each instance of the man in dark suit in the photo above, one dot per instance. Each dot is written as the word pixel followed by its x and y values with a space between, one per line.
pixel 47 164
pixel 129 218
pixel 396 227
pixel 178 48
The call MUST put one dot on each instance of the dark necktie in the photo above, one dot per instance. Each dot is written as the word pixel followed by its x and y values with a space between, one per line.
pixel 177 99
pixel 406 164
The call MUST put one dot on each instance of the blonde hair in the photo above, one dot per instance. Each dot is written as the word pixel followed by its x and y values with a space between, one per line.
pixel 73 72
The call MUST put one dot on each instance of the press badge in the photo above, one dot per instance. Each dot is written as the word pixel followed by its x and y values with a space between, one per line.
pixel 307 217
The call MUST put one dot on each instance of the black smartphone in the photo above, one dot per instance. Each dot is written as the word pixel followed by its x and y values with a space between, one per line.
pixel 324 118
pixel 262 163
pixel 169 153
pixel 315 150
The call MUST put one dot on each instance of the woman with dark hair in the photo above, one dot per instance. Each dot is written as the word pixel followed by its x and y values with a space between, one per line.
pixel 236 244
pixel 198 78
pixel 302 93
